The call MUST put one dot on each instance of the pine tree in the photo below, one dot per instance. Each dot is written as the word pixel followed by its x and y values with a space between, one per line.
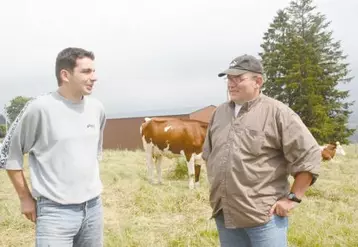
pixel 303 67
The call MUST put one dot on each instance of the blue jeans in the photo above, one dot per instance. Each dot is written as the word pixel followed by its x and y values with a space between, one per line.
pixel 79 225
pixel 271 234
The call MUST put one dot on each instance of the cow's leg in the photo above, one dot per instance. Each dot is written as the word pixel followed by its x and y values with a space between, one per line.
pixel 158 166
pixel 197 175
pixel 190 165
pixel 148 148
pixel 198 162
pixel 149 158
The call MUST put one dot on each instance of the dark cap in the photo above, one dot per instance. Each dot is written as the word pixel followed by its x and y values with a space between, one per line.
pixel 243 64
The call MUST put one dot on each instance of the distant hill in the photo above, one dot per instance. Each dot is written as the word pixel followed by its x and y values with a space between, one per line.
pixel 2 119
pixel 354 137
pixel 353 123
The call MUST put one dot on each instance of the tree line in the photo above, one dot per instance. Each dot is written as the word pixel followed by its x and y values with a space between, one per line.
pixel 11 111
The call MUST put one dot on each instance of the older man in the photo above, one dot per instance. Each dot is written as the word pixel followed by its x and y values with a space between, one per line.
pixel 253 144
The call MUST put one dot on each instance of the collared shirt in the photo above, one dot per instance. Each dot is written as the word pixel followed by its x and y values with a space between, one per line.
pixel 237 109
pixel 249 158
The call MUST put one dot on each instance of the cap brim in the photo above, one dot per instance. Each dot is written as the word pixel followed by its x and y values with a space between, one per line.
pixel 232 72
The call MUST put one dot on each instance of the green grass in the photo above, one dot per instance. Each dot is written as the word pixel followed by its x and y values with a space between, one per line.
pixel 140 214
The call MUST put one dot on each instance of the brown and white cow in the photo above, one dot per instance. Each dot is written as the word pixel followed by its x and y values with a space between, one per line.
pixel 330 150
pixel 173 138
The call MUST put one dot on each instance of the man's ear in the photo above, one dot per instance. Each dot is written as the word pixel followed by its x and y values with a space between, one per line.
pixel 259 81
pixel 65 75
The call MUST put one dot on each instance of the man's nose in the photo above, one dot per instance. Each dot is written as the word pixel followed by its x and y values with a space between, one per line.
pixel 231 85
pixel 94 77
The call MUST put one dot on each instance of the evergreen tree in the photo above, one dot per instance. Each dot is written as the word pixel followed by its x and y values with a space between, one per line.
pixel 303 67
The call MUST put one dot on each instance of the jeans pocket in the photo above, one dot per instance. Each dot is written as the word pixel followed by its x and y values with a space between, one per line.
pixel 39 202
pixel 45 206
pixel 280 221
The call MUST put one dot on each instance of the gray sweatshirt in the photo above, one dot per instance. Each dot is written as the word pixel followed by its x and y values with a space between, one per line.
pixel 64 145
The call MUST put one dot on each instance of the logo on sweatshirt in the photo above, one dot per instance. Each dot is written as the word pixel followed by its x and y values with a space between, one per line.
pixel 90 126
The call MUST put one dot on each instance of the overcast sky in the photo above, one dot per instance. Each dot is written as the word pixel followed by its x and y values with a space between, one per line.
pixel 149 54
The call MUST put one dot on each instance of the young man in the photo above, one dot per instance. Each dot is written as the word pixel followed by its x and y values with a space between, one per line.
pixel 253 144
pixel 62 133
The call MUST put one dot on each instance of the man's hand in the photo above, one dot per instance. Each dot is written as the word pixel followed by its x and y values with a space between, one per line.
pixel 28 208
pixel 27 202
pixel 282 207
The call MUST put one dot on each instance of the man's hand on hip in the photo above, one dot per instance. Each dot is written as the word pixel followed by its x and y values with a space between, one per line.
pixel 282 207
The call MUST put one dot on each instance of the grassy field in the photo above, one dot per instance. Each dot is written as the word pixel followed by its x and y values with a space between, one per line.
pixel 140 214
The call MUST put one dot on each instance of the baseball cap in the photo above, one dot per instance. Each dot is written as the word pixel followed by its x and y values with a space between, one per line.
pixel 243 64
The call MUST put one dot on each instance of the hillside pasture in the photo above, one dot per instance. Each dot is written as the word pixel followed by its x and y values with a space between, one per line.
pixel 140 214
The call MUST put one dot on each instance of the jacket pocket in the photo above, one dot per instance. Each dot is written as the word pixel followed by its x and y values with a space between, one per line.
pixel 250 141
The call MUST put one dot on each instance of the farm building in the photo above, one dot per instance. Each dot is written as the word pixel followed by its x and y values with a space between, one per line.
pixel 122 131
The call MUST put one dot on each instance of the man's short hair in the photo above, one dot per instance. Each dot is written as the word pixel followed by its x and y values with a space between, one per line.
pixel 67 59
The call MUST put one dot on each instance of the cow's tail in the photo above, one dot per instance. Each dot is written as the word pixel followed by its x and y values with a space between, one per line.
pixel 146 119
pixel 143 126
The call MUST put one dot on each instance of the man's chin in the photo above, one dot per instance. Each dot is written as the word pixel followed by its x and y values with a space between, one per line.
pixel 87 92
pixel 238 100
